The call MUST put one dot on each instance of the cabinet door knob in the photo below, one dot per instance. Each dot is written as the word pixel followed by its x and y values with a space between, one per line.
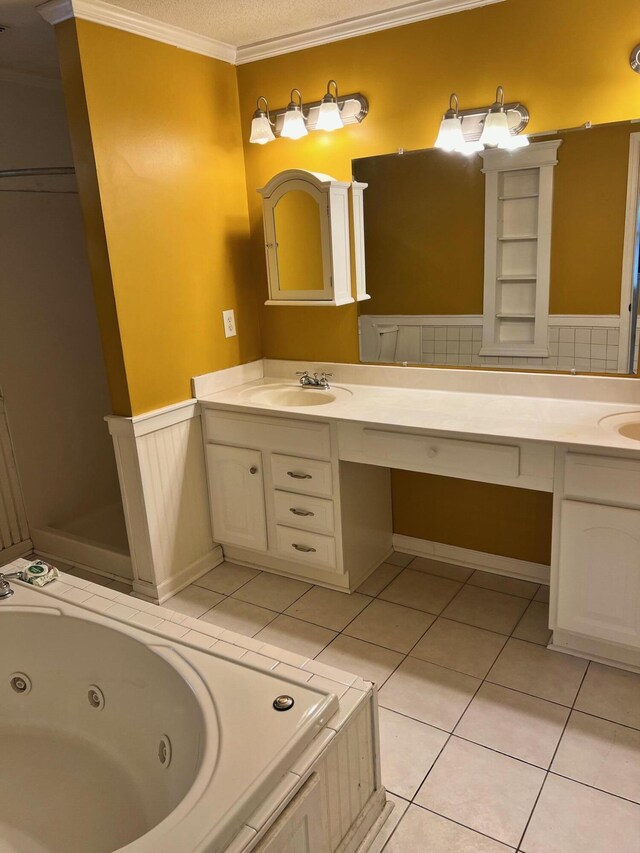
pixel 305 548
pixel 253 469
pixel 298 476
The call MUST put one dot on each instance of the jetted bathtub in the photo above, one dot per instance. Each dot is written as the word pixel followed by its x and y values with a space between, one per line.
pixel 113 738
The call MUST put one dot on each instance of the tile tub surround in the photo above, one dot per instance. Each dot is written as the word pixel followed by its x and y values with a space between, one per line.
pixel 350 728
pixel 499 706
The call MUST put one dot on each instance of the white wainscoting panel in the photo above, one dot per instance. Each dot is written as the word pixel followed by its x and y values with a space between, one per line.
pixel 14 532
pixel 160 460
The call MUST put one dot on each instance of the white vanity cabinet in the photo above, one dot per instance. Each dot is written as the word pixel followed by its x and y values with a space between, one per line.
pixel 595 591
pixel 281 500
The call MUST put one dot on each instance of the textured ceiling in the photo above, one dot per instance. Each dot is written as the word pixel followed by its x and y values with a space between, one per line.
pixel 29 45
pixel 242 22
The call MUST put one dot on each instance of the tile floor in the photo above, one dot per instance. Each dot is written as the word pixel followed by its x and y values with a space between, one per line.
pixel 490 742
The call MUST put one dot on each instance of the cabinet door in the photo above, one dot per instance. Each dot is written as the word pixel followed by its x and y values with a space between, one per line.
pixel 236 490
pixel 599 572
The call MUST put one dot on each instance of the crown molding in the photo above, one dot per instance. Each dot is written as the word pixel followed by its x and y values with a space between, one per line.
pixel 8 75
pixel 397 17
pixel 99 12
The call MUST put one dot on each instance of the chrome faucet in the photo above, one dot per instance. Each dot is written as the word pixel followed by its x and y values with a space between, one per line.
pixel 5 586
pixel 315 381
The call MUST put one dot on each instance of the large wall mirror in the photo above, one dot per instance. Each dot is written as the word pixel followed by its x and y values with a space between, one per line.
pixel 525 259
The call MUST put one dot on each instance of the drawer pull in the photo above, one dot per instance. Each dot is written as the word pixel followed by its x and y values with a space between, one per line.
pixel 303 512
pixel 304 548
pixel 298 476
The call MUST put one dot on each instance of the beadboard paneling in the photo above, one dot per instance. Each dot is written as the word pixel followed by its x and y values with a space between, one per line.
pixel 13 520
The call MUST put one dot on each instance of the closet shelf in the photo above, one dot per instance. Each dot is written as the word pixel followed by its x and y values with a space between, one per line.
pixel 506 316
pixel 511 238
pixel 516 277
pixel 517 195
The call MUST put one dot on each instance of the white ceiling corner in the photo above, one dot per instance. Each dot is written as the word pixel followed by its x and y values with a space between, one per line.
pixel 242 31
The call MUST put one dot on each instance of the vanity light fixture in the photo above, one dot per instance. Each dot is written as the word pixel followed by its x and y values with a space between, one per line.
pixel 297 119
pixel 451 137
pixel 495 132
pixel 634 59
pixel 294 125
pixel 261 124
pixel 329 113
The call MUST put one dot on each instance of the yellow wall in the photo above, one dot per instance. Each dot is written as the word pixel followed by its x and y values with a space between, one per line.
pixel 165 130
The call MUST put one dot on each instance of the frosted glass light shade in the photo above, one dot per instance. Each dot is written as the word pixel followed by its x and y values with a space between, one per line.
pixel 470 148
pixel 495 130
pixel 515 142
pixel 293 126
pixel 450 137
pixel 329 117
pixel 261 131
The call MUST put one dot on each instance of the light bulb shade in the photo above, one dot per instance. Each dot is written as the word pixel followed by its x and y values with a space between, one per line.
pixel 261 131
pixel 470 148
pixel 293 126
pixel 450 137
pixel 514 143
pixel 329 116
pixel 496 129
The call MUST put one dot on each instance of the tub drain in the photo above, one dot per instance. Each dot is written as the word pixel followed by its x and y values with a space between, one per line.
pixel 95 697
pixel 20 682
pixel 164 751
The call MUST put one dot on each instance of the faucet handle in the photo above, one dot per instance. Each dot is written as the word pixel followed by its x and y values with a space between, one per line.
pixel 302 372
pixel 327 375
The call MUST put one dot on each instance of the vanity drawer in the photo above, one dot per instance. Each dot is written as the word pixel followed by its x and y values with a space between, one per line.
pixel 305 547
pixel 431 454
pixel 610 479
pixel 268 433
pixel 307 476
pixel 304 512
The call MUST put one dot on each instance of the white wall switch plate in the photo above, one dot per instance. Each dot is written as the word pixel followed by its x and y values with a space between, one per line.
pixel 229 320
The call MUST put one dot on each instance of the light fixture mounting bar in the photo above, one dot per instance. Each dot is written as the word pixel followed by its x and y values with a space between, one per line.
pixel 473 120
pixel 353 110
pixel 634 59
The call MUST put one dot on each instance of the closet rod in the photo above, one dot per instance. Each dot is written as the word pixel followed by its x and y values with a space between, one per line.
pixel 47 170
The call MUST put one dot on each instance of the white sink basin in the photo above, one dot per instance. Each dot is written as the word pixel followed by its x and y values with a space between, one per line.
pixel 293 396
pixel 626 424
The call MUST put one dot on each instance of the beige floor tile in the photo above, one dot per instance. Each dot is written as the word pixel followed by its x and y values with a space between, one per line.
pixel 460 647
pixel 239 616
pixel 226 578
pixel 521 726
pixel 571 818
pixel 501 583
pixel 538 671
pixel 399 808
pixel 428 693
pixel 120 586
pixel 422 831
pixel 272 591
pixel 485 608
pixel 542 594
pixel 420 590
pixel 611 693
pixel 296 636
pixel 398 558
pixel 408 750
pixel 486 791
pixel 602 754
pixel 328 608
pixel 371 662
pixel 377 581
pixel 442 570
pixel 86 575
pixel 534 625
pixel 390 625
pixel 193 601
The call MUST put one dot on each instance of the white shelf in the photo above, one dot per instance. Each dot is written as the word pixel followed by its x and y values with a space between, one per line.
pixel 504 316
pixel 517 277
pixel 518 195
pixel 513 238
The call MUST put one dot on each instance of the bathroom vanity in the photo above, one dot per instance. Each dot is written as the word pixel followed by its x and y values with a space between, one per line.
pixel 299 483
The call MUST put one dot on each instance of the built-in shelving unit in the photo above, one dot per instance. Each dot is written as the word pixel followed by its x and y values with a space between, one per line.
pixel 518 204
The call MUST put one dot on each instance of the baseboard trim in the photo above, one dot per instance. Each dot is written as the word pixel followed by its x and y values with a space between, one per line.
pixel 521 569
pixel 81 552
pixel 600 651
pixel 7 555
pixel 165 589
